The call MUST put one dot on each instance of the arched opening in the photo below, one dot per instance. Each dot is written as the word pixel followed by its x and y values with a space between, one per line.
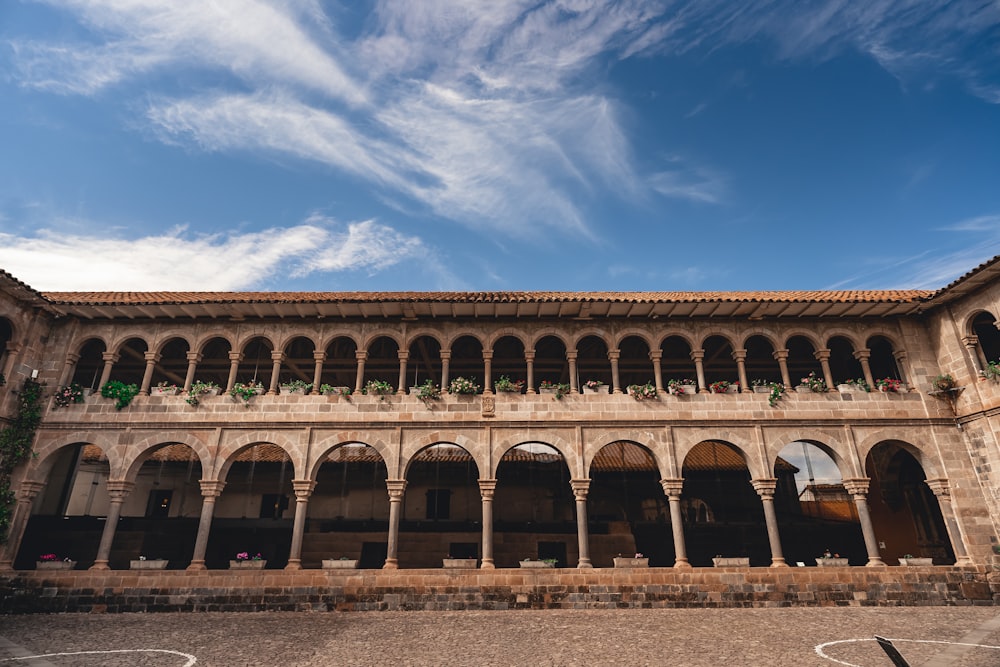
pixel 67 518
pixel 985 328
pixel 762 368
pixel 171 369
pixel 442 511
pixel 424 361
pixel 676 362
pixel 214 364
pixel 634 364
pixel 551 364
pixel 467 360
pixel 255 510
pixel 256 364
pixel 719 362
pixel 722 512
pixel 905 514
pixel 131 364
pixel 802 360
pixel 349 508
pixel 6 336
pixel 843 365
pixel 340 369
pixel 534 510
pixel 815 512
pixel 592 361
pixel 882 360
pixel 509 360
pixel 627 504
pixel 298 363
pixel 87 372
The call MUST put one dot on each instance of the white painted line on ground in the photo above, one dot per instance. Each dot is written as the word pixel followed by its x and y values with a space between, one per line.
pixel 820 647
pixel 191 659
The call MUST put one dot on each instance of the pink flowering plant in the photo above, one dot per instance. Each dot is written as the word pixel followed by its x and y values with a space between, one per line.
pixel 593 384
pixel 52 558
pixel 677 386
pixel 245 555
pixel 889 384
pixel 68 395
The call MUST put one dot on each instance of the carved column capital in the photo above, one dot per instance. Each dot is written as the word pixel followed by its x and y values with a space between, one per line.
pixel 822 354
pixel 277 356
pixel 72 357
pixel 940 487
pixel 361 356
pixel 971 340
pixel 614 355
pixel 235 356
pixel 303 488
pixel 196 357
pixel 396 489
pixel 403 355
pixel 529 355
pixel 740 355
pixel 655 355
pixel 697 354
pixel 319 356
pixel 151 356
pixel 780 355
pixel 29 489
pixel 672 487
pixel 857 486
pixel 580 488
pixel 445 354
pixel 863 353
pixel 765 487
pixel 118 489
pixel 211 488
pixel 487 487
pixel 571 355
pixel 109 356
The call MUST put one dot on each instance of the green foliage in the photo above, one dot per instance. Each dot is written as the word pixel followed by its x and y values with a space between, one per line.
pixel 67 395
pixel 379 388
pixel 296 386
pixel 642 392
pixel 777 391
pixel 245 391
pixel 943 382
pixel 197 389
pixel 814 382
pixel 428 391
pixel 561 388
pixel 461 385
pixel 505 384
pixel 121 392
pixel 327 389
pixel 15 445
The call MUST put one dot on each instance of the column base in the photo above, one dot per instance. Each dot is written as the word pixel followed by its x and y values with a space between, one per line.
pixel 487 564
pixel 585 564
pixel 778 562
pixel 391 564
pixel 6 566
pixel 965 561
pixel 294 565
pixel 196 566
pixel 875 562
pixel 100 565
pixel 682 564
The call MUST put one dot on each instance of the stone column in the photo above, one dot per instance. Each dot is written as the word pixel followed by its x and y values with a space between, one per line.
pixel 942 490
pixel 486 489
pixel 574 384
pixel 7 367
pixel 193 359
pixel 972 345
pixel 616 385
pixel 147 375
pixel 118 489
pixel 276 359
pixel 318 359
pixel 396 489
pixel 866 369
pixel 580 489
pixel 765 489
pixel 781 356
pixel 403 357
pixel 210 491
pixel 488 371
pixel 672 489
pixel 18 522
pixel 698 356
pixel 823 356
pixel 655 356
pixel 445 367
pixel 900 356
pixel 858 488
pixel 303 490
pixel 529 360
pixel 359 379
pixel 741 368
pixel 234 367
pixel 110 359
pixel 68 367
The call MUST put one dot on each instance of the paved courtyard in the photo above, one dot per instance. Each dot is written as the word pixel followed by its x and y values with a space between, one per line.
pixel 968 636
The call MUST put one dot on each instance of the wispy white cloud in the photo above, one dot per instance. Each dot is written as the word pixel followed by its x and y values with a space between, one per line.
pixel 693 183
pixel 178 261
pixel 981 223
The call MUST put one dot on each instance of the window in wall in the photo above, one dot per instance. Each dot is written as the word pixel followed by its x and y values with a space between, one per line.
pixel 158 505
pixel 273 505
pixel 438 503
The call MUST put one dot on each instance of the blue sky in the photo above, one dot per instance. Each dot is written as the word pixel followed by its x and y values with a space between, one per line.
pixel 447 145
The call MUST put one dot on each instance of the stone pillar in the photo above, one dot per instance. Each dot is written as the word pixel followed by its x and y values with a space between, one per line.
pixel 110 358
pixel 488 371
pixel 318 359
pixel 765 489
pixel 210 491
pixel 866 369
pixel 147 375
pixel 396 489
pixel 858 488
pixel 698 356
pixel 359 378
pixel 580 489
pixel 574 384
pixel 616 385
pixel 781 356
pixel 900 356
pixel 823 356
pixel 975 351
pixel 942 490
pixel 486 489
pixel 234 367
pixel 303 490
pixel 445 367
pixel 7 367
pixel 741 368
pixel 276 359
pixel 529 360
pixel 68 367
pixel 118 489
pixel 655 356
pixel 672 489
pixel 18 522
pixel 403 357
pixel 193 359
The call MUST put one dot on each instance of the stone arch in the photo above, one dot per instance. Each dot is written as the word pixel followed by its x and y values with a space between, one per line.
pixel 634 332
pixel 686 336
pixel 424 360
pixel 340 367
pixel 200 343
pixel 49 444
pixel 131 364
pixel 88 368
pixel 506 332
pixel 551 439
pixel 652 441
pixel 139 451
pixel 802 359
pixel 374 336
pixel 634 363
pixel 827 440
pixel 592 362
pixel 676 362
pixel 509 358
pixel 322 447
pixel 244 339
pixel 768 335
pixel 551 361
pixel 170 335
pixel 931 466
pixel 983 326
pixel 843 365
pixel 883 358
pixel 256 363
pixel 331 336
pixel 719 362
pixel 171 367
pixel 214 364
pixel 233 446
pixel 412 448
pixel 686 440
pixel 761 366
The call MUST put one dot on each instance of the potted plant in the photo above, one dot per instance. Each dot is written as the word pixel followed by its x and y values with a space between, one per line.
pixel 68 395
pixel 889 385
pixel 812 383
pixel 910 559
pixel 143 563
pixel 682 387
pixel 594 387
pixel 342 563
pixel 428 391
pixel 724 387
pixel 631 561
pixel 731 561
pixel 642 392
pixel 121 392
pixel 244 561
pixel 199 389
pixel 450 563
pixel 296 387
pixel 331 390
pixel 463 386
pixel 54 562
pixel 991 372
pixel 943 383
pixel 559 389
pixel 379 388
pixel 543 563
pixel 829 559
pixel 853 385
pixel 508 386
pixel 164 388
pixel 244 391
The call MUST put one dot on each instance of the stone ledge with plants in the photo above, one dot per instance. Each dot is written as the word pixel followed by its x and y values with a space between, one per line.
pixel 464 386
pixel 642 392
pixel 244 391
pixel 121 393
pixel 379 388
pixel 507 386
pixel 682 387
pixel 813 383
pixel 296 387
pixel 428 391
pixel 560 389
pixel 199 389
pixel 67 395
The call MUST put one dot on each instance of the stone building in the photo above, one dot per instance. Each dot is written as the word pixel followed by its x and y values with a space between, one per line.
pixel 576 463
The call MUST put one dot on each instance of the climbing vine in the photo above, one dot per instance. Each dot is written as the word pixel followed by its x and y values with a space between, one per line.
pixel 15 445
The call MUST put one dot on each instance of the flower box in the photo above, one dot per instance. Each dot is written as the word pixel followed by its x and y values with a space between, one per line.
pixel 603 389
pixel 337 391
pixel 900 389
pixel 631 562
pixel 294 389
pixel 536 564
pixel 686 390
pixel 831 562
pixel 55 564
pixel 916 561
pixel 547 390
pixel 803 389
pixel 340 563
pixel 762 390
pixel 456 563
pixel 730 561
pixel 148 564
pixel 247 564
pixel 164 391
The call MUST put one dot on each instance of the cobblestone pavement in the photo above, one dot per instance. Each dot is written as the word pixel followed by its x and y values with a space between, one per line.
pixel 688 637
